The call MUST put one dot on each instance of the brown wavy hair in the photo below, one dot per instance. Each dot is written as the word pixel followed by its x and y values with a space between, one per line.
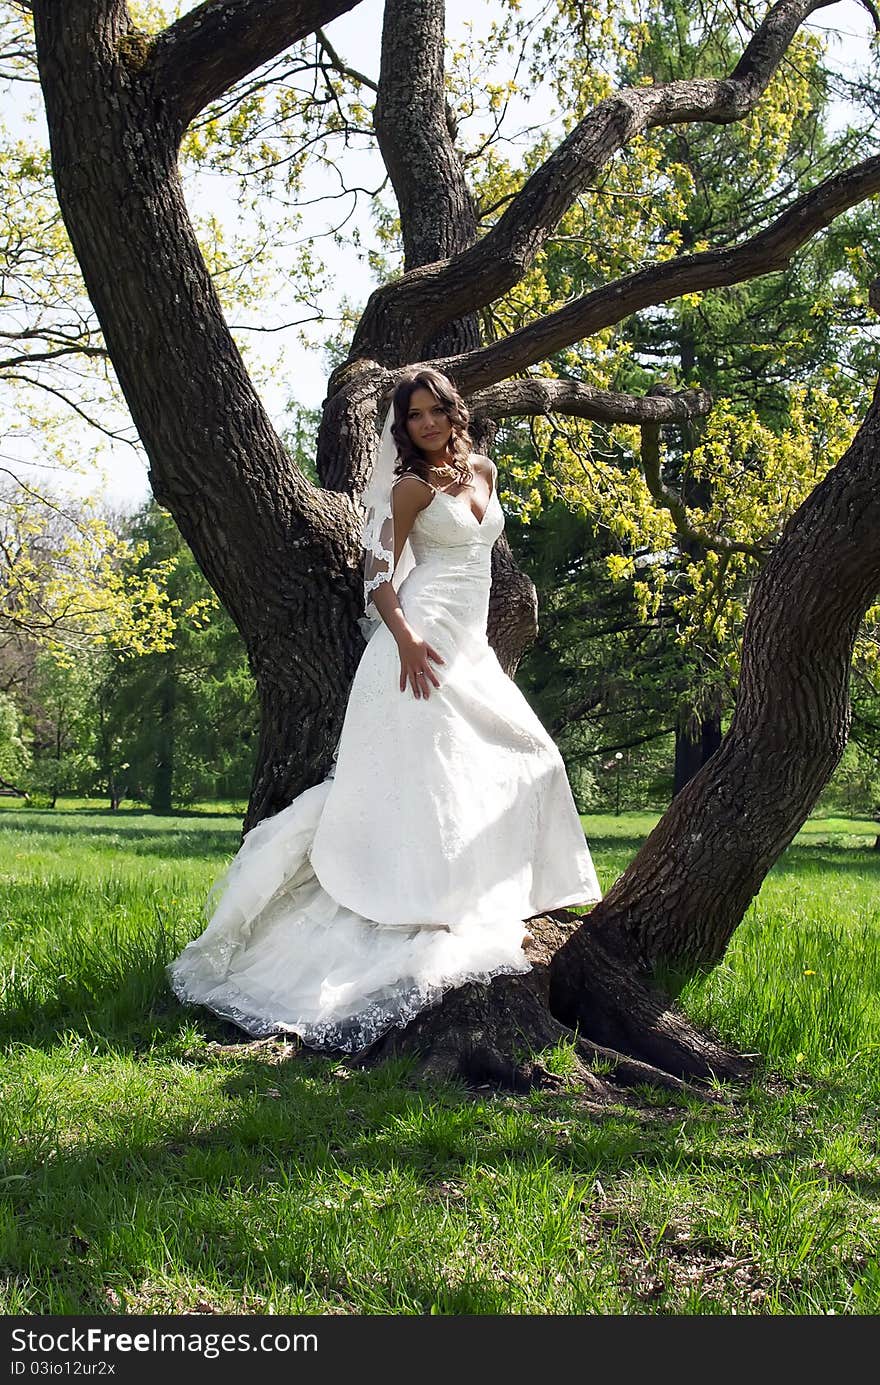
pixel 410 457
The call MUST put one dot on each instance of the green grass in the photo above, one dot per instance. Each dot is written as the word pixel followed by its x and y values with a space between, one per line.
pixel 149 1164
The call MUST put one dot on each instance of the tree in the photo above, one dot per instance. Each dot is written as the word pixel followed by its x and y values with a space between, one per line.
pixel 185 714
pixel 162 724
pixel 62 725
pixel 789 360
pixel 14 753
pixel 65 586
pixel 76 595
pixel 282 554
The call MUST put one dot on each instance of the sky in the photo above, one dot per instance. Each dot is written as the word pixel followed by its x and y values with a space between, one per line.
pixel 121 473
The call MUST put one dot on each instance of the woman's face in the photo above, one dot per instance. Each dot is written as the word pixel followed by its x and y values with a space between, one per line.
pixel 427 423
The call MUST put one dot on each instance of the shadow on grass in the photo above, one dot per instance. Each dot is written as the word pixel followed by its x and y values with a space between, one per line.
pixel 120 814
pixel 155 841
pixel 601 844
pixel 824 858
pixel 803 861
pixel 312 1176
pixel 289 1185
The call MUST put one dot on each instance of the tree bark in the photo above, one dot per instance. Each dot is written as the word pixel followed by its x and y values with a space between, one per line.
pixel 437 215
pixel 218 43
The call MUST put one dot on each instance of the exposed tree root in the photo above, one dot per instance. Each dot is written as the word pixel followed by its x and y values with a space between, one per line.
pixel 487 1035
pixel 621 1033
pixel 603 993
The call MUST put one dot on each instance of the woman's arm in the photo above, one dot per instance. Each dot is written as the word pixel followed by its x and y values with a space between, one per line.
pixel 409 495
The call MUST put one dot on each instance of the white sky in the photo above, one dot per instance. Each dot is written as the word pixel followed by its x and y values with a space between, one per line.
pixel 302 374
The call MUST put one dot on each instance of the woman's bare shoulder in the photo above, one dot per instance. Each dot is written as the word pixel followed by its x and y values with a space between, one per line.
pixel 409 492
pixel 485 463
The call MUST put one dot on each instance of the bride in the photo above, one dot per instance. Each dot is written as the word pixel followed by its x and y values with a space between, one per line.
pixel 447 820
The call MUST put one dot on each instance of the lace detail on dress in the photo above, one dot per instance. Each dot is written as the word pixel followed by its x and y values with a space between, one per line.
pixel 392 1010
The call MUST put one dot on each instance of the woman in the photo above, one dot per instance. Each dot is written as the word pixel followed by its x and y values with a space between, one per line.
pixel 447 820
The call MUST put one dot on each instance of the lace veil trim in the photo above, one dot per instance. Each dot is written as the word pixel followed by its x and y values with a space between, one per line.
pixel 377 529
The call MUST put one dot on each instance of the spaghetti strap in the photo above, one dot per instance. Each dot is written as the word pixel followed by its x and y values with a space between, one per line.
pixel 415 478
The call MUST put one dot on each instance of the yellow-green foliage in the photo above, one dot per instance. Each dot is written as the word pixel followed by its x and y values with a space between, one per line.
pixel 153 15
pixel 756 479
pixel 74 585
pixel 83 587
pixel 636 213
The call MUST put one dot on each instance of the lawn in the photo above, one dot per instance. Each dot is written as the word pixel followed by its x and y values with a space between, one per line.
pixel 152 1163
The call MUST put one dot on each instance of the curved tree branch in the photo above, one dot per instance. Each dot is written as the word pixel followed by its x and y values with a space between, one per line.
pixel 207 51
pixel 770 250
pixel 523 398
pixel 666 498
pixel 38 357
pixel 401 317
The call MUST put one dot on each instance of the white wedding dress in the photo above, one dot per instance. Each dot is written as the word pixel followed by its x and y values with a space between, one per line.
pixel 446 822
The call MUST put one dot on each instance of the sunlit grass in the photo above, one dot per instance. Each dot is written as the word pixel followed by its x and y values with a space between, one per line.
pixel 145 1170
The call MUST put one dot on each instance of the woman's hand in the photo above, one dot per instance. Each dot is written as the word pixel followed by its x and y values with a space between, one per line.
pixel 414 666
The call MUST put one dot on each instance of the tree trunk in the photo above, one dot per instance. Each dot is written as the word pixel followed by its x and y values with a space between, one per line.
pixel 696 739
pixel 59 737
pixel 163 776
pixel 437 215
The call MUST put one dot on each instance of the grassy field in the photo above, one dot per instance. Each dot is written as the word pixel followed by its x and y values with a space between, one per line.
pixel 151 1164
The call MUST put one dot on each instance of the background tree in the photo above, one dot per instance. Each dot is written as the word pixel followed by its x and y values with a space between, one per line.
pixel 62 727
pixel 283 554
pixel 788 358
pixel 163 725
pixel 66 582
pixel 186 714
pixel 14 751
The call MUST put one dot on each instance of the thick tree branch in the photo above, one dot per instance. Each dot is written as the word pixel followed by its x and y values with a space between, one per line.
pixel 207 51
pixel 437 216
pixel 769 251
pixel 632 743
pixel 37 357
pixel 401 317
pixel 525 398
pixel 436 212
pixel 873 12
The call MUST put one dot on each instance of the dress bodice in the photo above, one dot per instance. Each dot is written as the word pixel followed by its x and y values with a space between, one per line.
pixel 446 595
pixel 448 522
